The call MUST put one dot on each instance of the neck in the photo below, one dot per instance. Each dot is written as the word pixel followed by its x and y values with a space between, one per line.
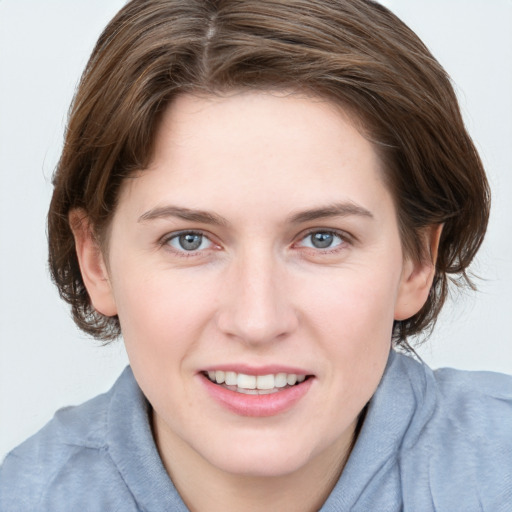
pixel 203 486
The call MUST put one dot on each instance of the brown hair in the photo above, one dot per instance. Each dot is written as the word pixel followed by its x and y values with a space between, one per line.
pixel 353 52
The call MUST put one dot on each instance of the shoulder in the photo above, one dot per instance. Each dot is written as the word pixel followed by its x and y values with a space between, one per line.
pixel 474 406
pixel 470 401
pixel 467 441
pixel 37 474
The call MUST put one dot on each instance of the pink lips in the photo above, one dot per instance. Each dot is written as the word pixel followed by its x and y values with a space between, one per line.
pixel 257 405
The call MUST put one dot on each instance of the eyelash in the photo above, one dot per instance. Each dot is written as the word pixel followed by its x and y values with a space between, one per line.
pixel 165 242
pixel 344 239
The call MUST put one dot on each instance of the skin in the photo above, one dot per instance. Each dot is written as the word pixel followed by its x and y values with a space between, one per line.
pixel 257 291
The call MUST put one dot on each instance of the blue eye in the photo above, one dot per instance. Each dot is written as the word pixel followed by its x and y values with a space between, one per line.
pixel 322 240
pixel 189 242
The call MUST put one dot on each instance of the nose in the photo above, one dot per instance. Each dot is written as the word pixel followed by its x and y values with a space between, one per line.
pixel 255 306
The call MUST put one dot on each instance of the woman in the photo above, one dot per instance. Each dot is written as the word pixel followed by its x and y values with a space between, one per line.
pixel 264 198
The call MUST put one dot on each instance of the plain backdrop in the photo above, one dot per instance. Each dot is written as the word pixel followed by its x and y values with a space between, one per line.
pixel 45 362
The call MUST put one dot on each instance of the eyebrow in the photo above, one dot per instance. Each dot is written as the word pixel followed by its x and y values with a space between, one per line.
pixel 183 213
pixel 334 210
pixel 204 217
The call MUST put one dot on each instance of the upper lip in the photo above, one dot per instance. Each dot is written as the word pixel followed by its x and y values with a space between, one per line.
pixel 257 370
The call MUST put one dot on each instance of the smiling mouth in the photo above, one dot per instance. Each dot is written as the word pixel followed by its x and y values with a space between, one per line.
pixel 255 384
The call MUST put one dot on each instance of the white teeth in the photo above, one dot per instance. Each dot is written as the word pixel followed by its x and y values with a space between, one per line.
pixel 261 384
pixel 246 381
pixel 265 382
pixel 257 391
pixel 280 380
pixel 248 391
pixel 231 378
pixel 267 391
pixel 291 379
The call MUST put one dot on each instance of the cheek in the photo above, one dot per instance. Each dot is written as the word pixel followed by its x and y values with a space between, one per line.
pixel 161 316
pixel 352 321
pixel 356 307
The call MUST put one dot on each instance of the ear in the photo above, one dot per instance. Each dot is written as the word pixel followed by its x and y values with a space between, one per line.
pixel 92 264
pixel 417 277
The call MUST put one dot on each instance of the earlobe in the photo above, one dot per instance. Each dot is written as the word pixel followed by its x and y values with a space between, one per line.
pixel 417 277
pixel 92 264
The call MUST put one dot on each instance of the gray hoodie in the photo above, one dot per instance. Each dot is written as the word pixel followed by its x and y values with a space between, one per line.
pixel 431 441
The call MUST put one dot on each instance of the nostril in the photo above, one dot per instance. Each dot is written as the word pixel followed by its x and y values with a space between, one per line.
pixel 254 306
pixel 257 325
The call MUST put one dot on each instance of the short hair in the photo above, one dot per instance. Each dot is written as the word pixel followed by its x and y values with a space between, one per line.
pixel 355 53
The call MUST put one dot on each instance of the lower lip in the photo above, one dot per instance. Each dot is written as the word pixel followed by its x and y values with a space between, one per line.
pixel 257 405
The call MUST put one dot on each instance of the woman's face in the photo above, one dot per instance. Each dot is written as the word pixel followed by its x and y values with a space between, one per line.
pixel 261 247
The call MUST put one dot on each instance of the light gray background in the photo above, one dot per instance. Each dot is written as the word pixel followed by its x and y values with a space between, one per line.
pixel 45 363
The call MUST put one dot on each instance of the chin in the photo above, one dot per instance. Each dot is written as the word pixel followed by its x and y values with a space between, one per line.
pixel 257 457
pixel 264 465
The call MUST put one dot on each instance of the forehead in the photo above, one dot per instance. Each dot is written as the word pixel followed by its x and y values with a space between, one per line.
pixel 244 120
pixel 258 149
